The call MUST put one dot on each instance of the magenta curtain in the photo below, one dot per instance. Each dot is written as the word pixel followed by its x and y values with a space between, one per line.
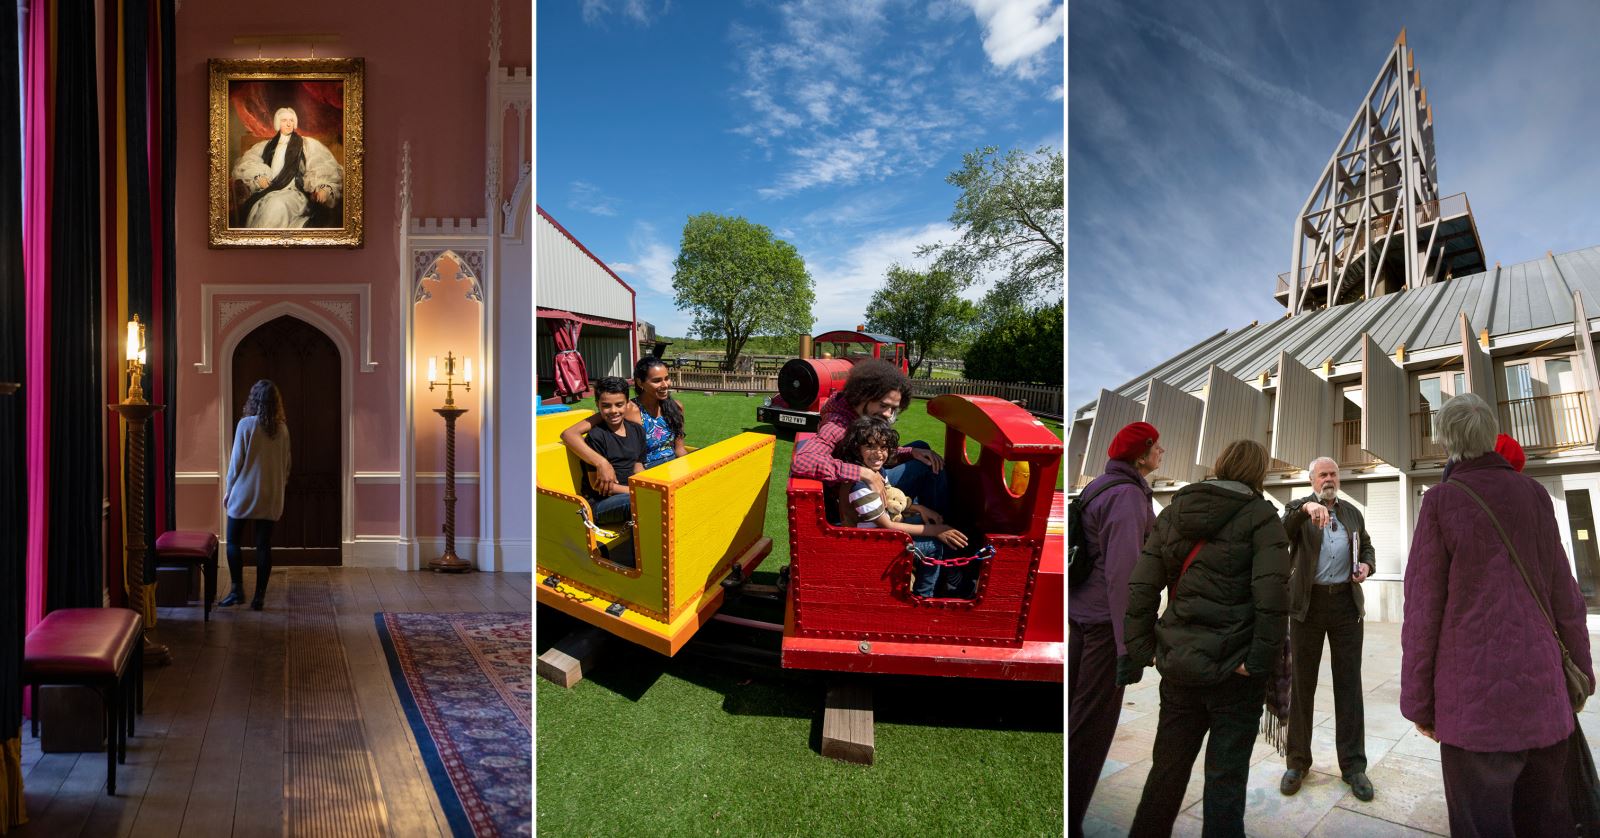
pixel 36 265
pixel 572 378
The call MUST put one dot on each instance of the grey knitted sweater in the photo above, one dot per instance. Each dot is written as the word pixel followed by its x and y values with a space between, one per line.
pixel 257 472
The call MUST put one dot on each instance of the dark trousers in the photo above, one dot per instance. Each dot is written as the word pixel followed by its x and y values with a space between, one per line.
pixel 1522 793
pixel 1332 615
pixel 1231 713
pixel 263 534
pixel 919 482
pixel 1095 704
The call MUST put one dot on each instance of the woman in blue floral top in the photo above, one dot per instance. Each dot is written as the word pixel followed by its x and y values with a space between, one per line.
pixel 653 407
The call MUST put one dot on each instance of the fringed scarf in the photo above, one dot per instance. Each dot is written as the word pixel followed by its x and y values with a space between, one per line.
pixel 1275 722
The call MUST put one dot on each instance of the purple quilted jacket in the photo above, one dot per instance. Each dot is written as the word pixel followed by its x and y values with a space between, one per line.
pixel 1478 661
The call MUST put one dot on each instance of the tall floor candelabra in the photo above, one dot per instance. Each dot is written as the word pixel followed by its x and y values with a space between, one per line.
pixel 450 562
pixel 135 411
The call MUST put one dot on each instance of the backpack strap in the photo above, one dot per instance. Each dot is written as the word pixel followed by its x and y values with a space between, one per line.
pixel 1088 498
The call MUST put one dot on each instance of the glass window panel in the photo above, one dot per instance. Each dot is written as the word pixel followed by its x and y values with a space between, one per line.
pixel 1459 384
pixel 1559 375
pixel 1432 393
pixel 1519 382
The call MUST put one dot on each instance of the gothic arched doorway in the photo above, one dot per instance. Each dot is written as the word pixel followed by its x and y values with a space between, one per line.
pixel 305 365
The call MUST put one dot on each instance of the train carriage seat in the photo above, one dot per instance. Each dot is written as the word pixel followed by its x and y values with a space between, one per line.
pixel 692 519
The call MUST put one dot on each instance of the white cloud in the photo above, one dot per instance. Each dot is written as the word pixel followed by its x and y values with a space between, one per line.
pixel 1056 93
pixel 588 197
pixel 639 12
pixel 845 284
pixel 650 260
pixel 1015 31
pixel 841 95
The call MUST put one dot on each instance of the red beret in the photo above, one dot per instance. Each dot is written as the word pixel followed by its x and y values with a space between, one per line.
pixel 1133 441
pixel 1507 447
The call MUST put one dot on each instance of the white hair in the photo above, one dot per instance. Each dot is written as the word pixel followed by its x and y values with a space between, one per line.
pixel 278 114
pixel 1312 469
pixel 1466 427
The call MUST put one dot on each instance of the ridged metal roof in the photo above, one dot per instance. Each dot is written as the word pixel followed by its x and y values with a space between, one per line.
pixel 1505 300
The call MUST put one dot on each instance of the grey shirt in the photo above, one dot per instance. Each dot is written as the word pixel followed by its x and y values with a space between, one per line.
pixel 1333 563
pixel 257 472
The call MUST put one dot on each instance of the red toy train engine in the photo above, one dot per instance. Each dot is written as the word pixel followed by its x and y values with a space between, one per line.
pixel 850 607
pixel 806 382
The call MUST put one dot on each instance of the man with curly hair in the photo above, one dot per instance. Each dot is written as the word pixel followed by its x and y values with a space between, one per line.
pixel 874 388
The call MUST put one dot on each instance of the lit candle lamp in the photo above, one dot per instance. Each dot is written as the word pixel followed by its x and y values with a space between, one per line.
pixel 433 369
pixel 468 377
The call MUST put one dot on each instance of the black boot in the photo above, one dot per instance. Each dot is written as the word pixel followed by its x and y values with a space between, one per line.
pixel 234 597
pixel 260 599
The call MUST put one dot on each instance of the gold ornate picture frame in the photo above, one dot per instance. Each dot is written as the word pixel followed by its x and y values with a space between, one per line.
pixel 286 152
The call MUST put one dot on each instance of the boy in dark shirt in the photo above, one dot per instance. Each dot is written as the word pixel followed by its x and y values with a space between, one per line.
pixel 621 443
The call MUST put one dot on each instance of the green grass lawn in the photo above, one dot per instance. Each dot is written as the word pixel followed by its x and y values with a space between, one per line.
pixel 700 745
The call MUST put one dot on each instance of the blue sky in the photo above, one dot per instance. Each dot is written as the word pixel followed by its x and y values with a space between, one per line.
pixel 833 123
pixel 1197 130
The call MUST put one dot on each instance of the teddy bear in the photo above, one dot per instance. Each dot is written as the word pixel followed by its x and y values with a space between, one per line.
pixel 895 503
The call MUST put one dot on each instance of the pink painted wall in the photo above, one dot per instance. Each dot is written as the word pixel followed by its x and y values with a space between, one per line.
pixel 426 65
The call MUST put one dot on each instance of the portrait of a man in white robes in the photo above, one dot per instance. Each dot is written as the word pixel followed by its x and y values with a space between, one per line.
pixel 291 180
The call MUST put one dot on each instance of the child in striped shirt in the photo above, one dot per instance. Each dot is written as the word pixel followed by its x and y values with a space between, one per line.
pixel 869 441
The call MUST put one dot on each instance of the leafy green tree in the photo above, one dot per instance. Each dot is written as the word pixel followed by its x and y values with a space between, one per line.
pixel 921 308
pixel 737 281
pixel 1011 218
pixel 1019 347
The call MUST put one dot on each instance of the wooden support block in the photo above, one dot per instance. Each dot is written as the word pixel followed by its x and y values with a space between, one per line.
pixel 847 724
pixel 565 662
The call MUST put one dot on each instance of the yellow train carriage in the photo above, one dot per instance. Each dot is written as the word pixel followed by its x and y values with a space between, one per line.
pixel 694 518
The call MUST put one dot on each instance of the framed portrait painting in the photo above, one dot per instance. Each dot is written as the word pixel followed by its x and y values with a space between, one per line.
pixel 286 152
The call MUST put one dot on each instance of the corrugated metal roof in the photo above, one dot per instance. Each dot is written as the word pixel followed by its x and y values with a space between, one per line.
pixel 569 277
pixel 1505 300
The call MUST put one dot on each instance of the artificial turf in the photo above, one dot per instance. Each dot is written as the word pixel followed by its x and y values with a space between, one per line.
pixel 703 744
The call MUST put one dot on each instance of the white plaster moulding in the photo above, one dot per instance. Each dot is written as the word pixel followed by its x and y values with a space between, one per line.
pixel 209 292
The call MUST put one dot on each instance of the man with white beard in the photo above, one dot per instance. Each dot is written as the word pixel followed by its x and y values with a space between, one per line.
pixel 1329 557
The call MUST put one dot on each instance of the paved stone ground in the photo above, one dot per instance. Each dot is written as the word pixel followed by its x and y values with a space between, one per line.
pixel 1402 764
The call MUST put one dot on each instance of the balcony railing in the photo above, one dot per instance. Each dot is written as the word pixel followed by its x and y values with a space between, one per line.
pixel 1548 423
pixel 1347 441
pixel 1422 430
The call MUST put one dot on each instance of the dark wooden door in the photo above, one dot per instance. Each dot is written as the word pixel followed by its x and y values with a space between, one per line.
pixel 305 365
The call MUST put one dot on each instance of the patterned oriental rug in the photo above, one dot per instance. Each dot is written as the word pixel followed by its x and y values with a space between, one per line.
pixel 466 681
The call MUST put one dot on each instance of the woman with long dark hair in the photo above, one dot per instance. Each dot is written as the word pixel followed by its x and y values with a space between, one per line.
pixel 653 408
pixel 253 493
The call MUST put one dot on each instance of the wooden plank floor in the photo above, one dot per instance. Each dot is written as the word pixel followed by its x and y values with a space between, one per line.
pixel 216 751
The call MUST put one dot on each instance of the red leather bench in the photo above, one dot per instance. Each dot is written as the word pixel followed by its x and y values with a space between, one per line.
pixel 187 548
pixel 102 648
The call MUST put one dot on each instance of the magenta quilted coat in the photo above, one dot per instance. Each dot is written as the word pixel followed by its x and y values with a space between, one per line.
pixel 1478 660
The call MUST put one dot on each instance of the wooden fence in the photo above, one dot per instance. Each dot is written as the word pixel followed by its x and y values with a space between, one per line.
pixel 1040 400
pixel 684 379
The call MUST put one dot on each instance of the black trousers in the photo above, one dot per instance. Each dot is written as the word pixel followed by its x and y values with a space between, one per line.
pixel 1095 703
pixel 1333 615
pixel 1521 793
pixel 1231 713
pixel 263 534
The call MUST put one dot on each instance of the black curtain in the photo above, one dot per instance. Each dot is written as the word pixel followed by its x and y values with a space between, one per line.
pixel 77 392
pixel 13 311
pixel 169 261
pixel 135 50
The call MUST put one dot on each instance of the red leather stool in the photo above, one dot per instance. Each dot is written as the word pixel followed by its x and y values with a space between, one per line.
pixel 189 547
pixel 102 648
